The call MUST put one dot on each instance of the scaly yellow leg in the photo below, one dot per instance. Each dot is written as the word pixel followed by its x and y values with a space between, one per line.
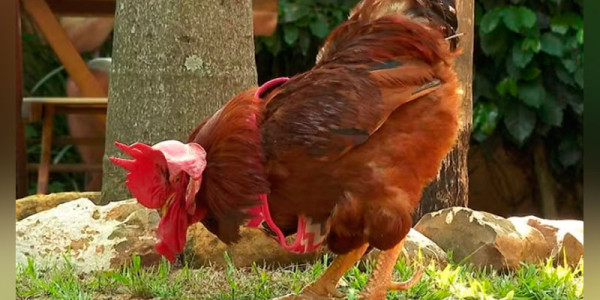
pixel 324 287
pixel 381 279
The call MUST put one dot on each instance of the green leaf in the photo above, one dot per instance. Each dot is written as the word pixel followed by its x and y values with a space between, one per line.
pixel 578 76
pixel 304 41
pixel 519 121
pixel 531 43
pixel 521 57
pixel 533 94
pixel 580 36
pixel 482 87
pixel 273 43
pixel 576 104
pixel 551 112
pixel 495 43
pixel 490 20
pixel 569 152
pixel 294 11
pixel 290 34
pixel 552 44
pixel 569 64
pixel 561 23
pixel 528 17
pixel 530 73
pixel 319 26
pixel 485 119
pixel 516 18
pixel 564 76
pixel 511 18
pixel 507 86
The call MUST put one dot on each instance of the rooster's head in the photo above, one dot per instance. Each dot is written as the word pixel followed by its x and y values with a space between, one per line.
pixel 166 176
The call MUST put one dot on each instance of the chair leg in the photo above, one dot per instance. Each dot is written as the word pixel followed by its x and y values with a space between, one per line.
pixel 44 168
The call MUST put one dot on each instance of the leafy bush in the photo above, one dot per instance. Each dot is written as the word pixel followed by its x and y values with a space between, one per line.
pixel 301 30
pixel 528 83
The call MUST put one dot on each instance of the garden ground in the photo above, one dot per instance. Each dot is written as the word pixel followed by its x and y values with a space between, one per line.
pixel 166 281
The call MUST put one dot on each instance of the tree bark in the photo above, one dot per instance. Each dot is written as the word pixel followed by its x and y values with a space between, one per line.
pixel 175 62
pixel 451 186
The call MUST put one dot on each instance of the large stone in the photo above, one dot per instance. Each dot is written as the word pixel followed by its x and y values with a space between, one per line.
pixel 203 248
pixel 484 239
pixel 564 236
pixel 93 237
pixel 34 204
pixel 416 242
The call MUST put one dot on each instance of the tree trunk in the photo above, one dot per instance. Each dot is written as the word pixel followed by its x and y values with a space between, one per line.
pixel 451 186
pixel 175 62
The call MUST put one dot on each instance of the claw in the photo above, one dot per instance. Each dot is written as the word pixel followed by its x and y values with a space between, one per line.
pixel 405 285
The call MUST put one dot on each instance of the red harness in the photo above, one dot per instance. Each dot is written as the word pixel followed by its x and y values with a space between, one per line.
pixel 309 236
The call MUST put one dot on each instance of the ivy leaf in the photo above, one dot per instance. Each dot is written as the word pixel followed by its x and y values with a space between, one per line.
pixel 528 17
pixel 521 57
pixel 519 17
pixel 507 86
pixel 485 119
pixel 273 43
pixel 569 152
pixel 512 69
pixel 494 43
pixel 304 41
pixel 580 36
pixel 482 87
pixel 561 23
pixel 564 76
pixel 511 18
pixel 578 76
pixel 552 44
pixel 520 121
pixel 551 112
pixel 490 20
pixel 532 44
pixel 532 94
pixel 319 26
pixel 569 64
pixel 294 11
pixel 290 34
pixel 530 73
pixel 576 104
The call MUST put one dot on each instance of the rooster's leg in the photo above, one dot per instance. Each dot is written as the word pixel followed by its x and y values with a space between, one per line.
pixel 381 279
pixel 324 287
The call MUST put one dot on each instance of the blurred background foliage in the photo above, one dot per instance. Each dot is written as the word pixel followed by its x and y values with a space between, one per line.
pixel 528 70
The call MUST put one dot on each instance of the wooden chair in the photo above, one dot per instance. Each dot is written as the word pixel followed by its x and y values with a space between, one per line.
pixel 94 102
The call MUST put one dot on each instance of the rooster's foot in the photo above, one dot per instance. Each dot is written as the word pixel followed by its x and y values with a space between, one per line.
pixel 381 279
pixel 324 287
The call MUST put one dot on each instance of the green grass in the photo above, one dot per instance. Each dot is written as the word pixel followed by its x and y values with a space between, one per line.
pixel 543 281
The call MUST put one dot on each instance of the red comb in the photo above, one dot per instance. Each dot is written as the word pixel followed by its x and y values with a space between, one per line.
pixel 148 177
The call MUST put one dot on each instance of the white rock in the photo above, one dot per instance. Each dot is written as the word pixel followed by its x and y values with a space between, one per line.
pixel 93 237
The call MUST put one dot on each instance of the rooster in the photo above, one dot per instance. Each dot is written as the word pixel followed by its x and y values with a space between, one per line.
pixel 338 155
